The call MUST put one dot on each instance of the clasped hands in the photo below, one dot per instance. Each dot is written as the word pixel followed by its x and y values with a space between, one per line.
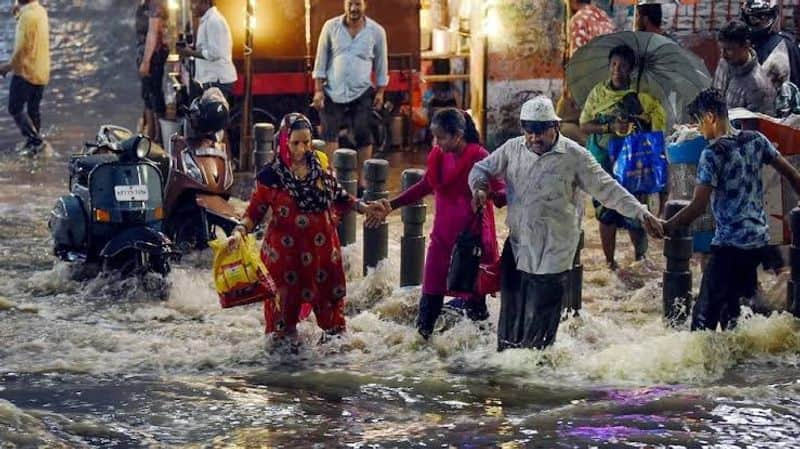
pixel 375 212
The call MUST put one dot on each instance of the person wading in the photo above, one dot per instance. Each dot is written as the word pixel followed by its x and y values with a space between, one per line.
pixel 456 149
pixel 543 170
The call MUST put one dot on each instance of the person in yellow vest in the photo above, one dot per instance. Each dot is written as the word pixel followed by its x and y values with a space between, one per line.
pixel 30 63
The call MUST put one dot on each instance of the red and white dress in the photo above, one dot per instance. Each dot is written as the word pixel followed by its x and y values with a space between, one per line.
pixel 302 252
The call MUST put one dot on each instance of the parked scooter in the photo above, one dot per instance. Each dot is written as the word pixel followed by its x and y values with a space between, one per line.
pixel 201 174
pixel 114 212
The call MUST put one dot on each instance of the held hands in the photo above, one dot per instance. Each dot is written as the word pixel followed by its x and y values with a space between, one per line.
pixel 376 212
pixel 653 225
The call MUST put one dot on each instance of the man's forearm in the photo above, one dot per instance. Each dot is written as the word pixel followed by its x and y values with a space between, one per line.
pixel 319 84
pixel 688 214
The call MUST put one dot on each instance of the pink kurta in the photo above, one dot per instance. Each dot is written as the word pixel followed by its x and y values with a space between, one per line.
pixel 446 178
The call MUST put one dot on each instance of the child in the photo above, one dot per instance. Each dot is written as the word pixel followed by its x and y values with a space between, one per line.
pixel 730 167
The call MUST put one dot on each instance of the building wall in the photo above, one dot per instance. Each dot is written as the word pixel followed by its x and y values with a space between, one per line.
pixel 526 43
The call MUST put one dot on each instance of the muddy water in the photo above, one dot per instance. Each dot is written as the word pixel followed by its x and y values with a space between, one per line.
pixel 106 364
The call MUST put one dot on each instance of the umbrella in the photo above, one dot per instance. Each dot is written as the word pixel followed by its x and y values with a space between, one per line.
pixel 664 70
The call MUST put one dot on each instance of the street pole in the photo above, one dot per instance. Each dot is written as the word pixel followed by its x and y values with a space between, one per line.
pixel 245 144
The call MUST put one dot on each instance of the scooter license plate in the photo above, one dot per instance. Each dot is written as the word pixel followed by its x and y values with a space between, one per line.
pixel 131 193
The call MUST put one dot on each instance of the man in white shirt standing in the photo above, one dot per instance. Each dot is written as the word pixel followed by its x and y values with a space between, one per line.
pixel 543 170
pixel 213 51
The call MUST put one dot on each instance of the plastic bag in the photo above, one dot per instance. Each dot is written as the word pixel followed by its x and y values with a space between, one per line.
pixel 240 275
pixel 639 162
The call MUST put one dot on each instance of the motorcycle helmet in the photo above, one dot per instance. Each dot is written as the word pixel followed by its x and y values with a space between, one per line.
pixel 760 15
pixel 209 113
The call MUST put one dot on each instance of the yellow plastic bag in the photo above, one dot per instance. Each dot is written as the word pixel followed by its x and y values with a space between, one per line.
pixel 240 275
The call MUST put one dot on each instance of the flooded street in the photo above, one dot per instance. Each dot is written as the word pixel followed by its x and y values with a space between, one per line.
pixel 105 363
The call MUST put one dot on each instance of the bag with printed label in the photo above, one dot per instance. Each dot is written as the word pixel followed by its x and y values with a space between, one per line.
pixel 240 275
pixel 640 164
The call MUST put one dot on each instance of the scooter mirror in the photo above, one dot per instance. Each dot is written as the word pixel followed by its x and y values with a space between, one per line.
pixel 142 147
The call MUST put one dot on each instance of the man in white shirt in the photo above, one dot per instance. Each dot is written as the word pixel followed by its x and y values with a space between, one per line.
pixel 213 51
pixel 543 171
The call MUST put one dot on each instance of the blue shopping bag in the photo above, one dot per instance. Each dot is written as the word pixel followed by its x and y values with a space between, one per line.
pixel 640 164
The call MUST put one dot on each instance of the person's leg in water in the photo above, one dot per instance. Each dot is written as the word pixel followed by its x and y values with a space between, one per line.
pixel 639 241
pixel 716 290
pixel 330 318
pixel 543 296
pixel 430 306
pixel 608 239
pixel 476 308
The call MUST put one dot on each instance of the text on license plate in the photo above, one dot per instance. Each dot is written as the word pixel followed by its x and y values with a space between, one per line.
pixel 131 193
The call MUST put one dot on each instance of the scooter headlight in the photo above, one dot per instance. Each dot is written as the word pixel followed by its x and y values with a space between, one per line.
pixel 142 147
pixel 191 167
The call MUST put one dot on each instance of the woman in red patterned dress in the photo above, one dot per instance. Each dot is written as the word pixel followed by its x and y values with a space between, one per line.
pixel 301 248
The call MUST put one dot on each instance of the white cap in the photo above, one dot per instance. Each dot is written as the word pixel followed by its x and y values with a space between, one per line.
pixel 539 109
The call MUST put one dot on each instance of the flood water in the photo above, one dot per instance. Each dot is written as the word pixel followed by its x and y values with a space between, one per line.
pixel 106 363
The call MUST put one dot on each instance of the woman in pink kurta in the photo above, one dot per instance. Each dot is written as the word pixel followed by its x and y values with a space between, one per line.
pixel 457 148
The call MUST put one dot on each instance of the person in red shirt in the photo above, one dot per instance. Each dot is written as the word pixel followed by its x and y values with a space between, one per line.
pixel 586 23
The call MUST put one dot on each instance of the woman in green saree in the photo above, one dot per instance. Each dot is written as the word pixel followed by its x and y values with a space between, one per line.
pixel 613 110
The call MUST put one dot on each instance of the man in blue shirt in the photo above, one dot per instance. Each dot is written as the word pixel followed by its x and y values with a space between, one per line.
pixel 730 168
pixel 350 47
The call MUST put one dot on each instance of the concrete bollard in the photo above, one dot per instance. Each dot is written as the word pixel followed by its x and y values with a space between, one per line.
pixel 793 289
pixel 677 293
pixel 263 135
pixel 376 240
pixel 346 163
pixel 412 244
pixel 574 293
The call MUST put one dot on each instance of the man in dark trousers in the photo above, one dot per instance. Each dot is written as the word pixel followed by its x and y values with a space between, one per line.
pixel 542 170
pixel 729 177
pixel 30 63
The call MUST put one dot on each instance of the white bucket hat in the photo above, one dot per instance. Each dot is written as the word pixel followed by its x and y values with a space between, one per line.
pixel 539 109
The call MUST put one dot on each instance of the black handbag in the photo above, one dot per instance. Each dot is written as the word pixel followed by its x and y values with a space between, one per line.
pixel 465 259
